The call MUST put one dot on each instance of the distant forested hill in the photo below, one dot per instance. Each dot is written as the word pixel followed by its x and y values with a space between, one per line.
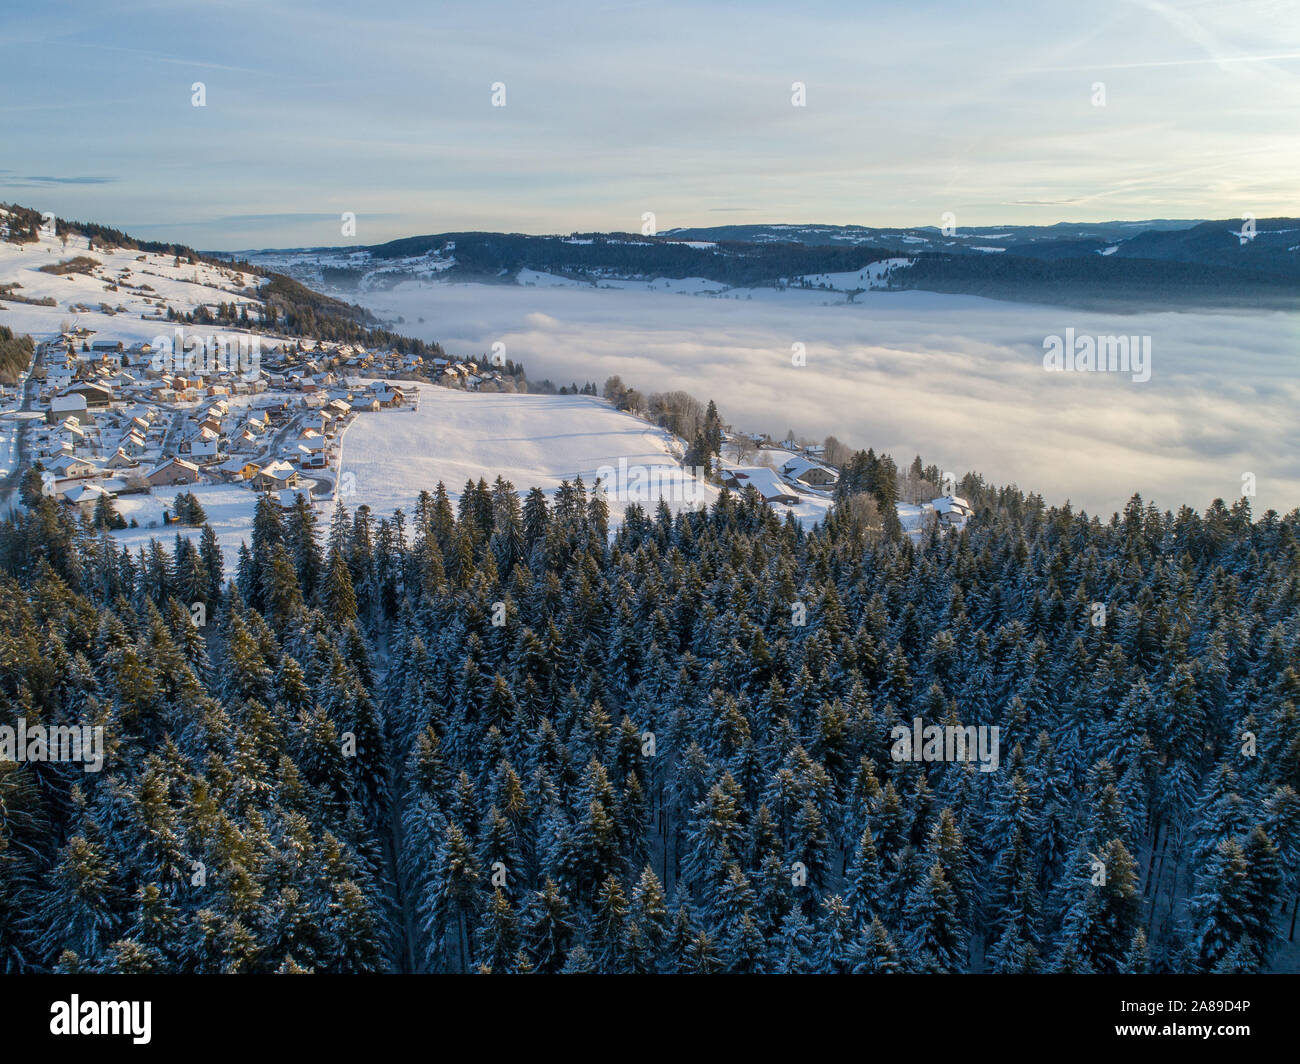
pixel 1119 265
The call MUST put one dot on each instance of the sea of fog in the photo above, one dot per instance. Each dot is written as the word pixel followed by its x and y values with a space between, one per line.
pixel 957 379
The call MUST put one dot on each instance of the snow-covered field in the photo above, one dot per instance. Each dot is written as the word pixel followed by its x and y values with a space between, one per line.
pixel 530 440
pixel 229 508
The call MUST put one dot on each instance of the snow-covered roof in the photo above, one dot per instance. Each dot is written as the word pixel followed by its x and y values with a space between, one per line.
pixel 174 461
pixel 289 496
pixel 764 480
pixel 84 493
pixel 953 504
pixel 61 465
pixel 278 470
pixel 798 466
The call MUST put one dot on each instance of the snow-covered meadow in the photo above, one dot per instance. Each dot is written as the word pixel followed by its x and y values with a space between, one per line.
pixel 229 508
pixel 530 440
pixel 136 287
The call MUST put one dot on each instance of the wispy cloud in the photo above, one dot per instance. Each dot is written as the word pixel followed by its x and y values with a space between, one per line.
pixel 33 180
pixel 683 109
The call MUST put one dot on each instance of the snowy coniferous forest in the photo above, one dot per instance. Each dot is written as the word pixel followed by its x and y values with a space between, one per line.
pixel 489 736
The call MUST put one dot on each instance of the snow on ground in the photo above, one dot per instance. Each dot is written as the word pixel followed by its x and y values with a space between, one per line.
pixel 141 285
pixel 872 275
pixel 388 458
pixel 530 440
pixel 8 443
pixel 229 508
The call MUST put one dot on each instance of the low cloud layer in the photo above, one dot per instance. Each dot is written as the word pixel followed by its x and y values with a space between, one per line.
pixel 957 379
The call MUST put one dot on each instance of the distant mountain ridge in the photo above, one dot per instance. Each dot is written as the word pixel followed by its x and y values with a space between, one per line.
pixel 1118 264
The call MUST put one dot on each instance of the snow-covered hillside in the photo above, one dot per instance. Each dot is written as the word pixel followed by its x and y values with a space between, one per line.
pixel 123 293
pixel 358 274
pixel 872 275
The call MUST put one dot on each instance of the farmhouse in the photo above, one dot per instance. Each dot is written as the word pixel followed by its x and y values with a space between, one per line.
pixel 809 473
pixel 953 511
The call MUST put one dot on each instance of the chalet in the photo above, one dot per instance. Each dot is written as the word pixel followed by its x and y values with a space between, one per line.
pixel 807 472
pixel 763 480
pixel 69 468
pixel 85 496
pixel 121 460
pixel 72 432
pixel 239 469
pixel 244 440
pixel 133 444
pixel 173 471
pixel 68 405
pixel 277 476
pixel 953 511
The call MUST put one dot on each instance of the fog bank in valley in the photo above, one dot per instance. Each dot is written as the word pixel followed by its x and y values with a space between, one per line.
pixel 957 379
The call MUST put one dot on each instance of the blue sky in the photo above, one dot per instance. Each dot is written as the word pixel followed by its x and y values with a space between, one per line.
pixel 914 108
